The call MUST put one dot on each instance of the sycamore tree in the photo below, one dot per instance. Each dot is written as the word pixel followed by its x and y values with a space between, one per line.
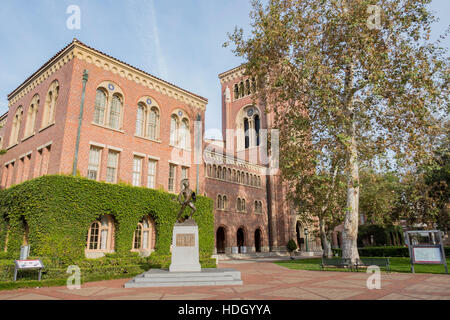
pixel 358 79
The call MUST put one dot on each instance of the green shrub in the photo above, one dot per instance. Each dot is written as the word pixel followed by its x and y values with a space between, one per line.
pixel 291 246
pixel 60 209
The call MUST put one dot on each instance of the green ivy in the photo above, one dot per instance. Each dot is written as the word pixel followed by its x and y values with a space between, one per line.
pixel 60 209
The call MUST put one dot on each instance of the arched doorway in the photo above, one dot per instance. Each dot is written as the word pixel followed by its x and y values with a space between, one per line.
pixel 220 240
pixel 299 233
pixel 240 239
pixel 258 240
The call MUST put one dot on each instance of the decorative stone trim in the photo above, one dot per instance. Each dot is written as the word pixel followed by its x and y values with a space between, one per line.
pixel 115 149
pixel 44 146
pixel 232 74
pixel 25 155
pixel 96 144
pixel 137 154
pixel 153 158
pixel 12 146
pixel 148 139
pixel 92 56
pixel 227 160
pixel 9 162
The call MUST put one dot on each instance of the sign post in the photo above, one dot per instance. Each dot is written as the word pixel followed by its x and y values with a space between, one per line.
pixel 430 252
pixel 28 265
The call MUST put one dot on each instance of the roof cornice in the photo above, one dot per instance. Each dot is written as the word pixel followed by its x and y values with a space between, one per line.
pixel 79 50
pixel 232 74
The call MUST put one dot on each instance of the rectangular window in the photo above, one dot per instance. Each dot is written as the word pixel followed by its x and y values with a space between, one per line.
pixel 151 178
pixel 111 166
pixel 172 170
pixel 184 173
pixel 94 163
pixel 137 170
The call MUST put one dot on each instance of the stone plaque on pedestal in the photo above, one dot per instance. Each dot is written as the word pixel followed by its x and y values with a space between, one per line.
pixel 185 250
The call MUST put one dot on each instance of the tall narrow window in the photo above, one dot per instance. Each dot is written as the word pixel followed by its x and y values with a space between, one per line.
pixel 31 116
pixel 140 120
pixel 94 236
pixel 184 134
pixel 247 133
pixel 257 128
pixel 173 130
pixel 50 104
pixel 236 91
pixel 137 170
pixel 151 178
pixel 111 166
pixel 100 105
pixel 184 173
pixel 94 163
pixel 115 112
pixel 17 123
pixel 138 237
pixel 153 124
pixel 171 185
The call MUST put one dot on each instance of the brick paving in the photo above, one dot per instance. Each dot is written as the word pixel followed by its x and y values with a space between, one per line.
pixel 262 281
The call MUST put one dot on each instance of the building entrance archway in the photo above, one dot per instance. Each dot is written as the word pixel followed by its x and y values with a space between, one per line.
pixel 220 240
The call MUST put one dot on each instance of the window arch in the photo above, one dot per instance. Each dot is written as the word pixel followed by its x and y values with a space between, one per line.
pixel 148 119
pixel 219 173
pixel 225 202
pixel 144 237
pixel 30 126
pixel 109 102
pixel 101 235
pixel 50 104
pixel 180 130
pixel 17 123
pixel 248 124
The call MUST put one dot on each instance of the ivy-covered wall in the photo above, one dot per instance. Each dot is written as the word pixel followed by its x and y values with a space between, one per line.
pixel 60 209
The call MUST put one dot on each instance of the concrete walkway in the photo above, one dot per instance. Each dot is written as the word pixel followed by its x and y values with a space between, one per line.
pixel 262 280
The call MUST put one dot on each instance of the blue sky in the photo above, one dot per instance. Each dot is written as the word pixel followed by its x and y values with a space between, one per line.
pixel 177 40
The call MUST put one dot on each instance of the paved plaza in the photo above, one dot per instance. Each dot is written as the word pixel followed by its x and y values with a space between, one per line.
pixel 263 280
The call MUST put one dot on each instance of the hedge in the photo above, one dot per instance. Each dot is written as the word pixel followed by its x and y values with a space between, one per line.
pixel 59 210
pixel 385 252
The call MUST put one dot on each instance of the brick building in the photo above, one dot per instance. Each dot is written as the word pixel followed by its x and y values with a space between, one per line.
pixel 141 130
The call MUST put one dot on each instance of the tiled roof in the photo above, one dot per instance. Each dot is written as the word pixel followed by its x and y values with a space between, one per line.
pixel 102 53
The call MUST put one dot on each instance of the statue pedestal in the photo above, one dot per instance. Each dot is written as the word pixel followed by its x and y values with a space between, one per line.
pixel 185 249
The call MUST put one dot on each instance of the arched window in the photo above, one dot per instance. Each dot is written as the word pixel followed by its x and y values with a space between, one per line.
pixel 247 179
pixel 219 173
pixel 248 124
pixel 140 119
pixel 229 175
pixel 17 123
pixel 174 130
pixel 247 87
pixel 184 134
pixel 50 104
pixel 100 106
pixel 209 170
pixel 100 236
pixel 225 203
pixel 115 112
pixel 236 91
pixel 243 205
pixel 153 124
pixel 30 126
pixel 147 119
pixel 219 202
pixel 238 204
pixel 241 89
pixel 144 235
pixel 234 176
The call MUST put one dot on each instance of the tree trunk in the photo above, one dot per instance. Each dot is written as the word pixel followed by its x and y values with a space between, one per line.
pixel 326 245
pixel 350 232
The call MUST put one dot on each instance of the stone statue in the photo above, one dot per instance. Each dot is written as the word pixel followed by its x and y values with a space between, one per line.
pixel 186 198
